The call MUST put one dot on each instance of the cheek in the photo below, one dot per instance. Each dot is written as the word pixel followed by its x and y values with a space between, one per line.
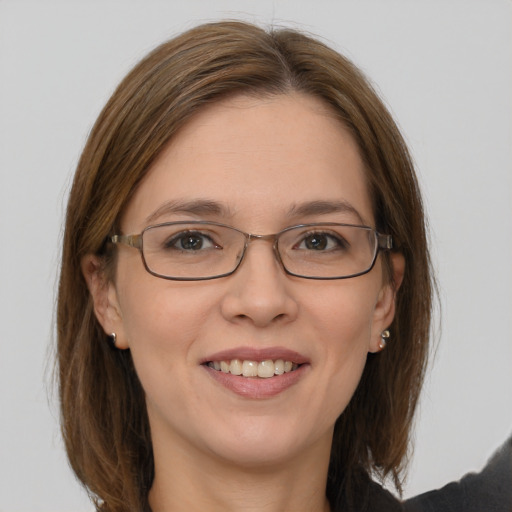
pixel 163 322
pixel 344 327
pixel 344 314
pixel 347 345
pixel 160 318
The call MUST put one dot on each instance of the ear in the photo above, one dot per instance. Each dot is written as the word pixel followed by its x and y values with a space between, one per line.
pixel 384 311
pixel 104 297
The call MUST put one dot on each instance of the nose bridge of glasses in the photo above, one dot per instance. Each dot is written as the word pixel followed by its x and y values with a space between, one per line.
pixel 265 238
pixel 269 238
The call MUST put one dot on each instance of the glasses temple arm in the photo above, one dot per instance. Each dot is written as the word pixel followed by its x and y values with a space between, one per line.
pixel 131 240
pixel 384 241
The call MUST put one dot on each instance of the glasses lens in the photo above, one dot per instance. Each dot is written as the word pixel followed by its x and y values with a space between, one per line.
pixel 328 251
pixel 197 250
pixel 192 250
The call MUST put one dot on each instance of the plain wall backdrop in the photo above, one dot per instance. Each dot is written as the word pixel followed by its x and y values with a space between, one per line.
pixel 445 70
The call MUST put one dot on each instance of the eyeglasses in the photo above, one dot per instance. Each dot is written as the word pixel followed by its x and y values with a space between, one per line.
pixel 194 251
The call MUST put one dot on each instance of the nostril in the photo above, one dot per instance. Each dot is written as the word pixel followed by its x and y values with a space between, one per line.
pixel 258 294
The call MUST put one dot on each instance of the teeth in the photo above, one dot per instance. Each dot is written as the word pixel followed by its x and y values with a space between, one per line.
pixel 235 367
pixel 266 369
pixel 247 368
pixel 250 369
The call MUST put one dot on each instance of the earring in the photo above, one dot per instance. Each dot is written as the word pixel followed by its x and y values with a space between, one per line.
pixel 384 336
pixel 112 339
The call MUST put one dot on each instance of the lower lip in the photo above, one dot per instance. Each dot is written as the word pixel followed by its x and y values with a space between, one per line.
pixel 256 387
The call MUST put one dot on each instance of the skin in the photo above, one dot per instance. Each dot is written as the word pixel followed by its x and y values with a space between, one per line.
pixel 215 449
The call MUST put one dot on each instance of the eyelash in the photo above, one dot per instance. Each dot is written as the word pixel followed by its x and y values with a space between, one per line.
pixel 175 239
pixel 340 242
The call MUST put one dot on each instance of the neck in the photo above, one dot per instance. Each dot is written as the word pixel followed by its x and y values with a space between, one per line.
pixel 190 481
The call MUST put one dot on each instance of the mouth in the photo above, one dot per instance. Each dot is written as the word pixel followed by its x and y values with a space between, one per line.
pixel 248 368
pixel 257 373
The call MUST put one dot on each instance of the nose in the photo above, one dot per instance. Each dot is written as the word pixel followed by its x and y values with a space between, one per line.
pixel 259 292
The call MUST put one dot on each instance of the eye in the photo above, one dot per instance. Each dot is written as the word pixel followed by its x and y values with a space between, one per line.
pixel 322 241
pixel 190 241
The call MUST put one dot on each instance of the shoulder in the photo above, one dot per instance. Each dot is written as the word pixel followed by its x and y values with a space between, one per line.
pixel 371 497
pixel 489 490
pixel 381 500
pixel 365 495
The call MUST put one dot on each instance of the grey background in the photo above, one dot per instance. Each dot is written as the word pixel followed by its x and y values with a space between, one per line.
pixel 445 69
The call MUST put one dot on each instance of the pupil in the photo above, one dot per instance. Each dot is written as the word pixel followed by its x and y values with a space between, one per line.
pixel 191 242
pixel 316 242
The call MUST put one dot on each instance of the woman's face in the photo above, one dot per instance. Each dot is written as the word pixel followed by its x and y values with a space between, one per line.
pixel 261 162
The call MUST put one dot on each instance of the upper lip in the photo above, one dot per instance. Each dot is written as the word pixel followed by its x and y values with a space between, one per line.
pixel 257 354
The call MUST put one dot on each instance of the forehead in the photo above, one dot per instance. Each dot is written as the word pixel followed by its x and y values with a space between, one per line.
pixel 259 159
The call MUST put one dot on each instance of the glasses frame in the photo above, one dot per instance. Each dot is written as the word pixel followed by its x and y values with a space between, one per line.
pixel 383 243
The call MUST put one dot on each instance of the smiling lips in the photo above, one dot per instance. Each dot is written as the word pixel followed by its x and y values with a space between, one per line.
pixel 257 373
pixel 248 368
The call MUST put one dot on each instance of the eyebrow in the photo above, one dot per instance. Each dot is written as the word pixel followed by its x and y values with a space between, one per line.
pixel 198 207
pixel 208 207
pixel 323 208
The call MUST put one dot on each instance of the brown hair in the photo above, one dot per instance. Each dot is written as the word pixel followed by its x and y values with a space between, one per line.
pixel 104 420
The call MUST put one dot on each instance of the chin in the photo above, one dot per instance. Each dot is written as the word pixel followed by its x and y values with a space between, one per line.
pixel 263 442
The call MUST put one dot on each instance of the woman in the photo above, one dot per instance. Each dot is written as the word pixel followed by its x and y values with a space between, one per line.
pixel 244 237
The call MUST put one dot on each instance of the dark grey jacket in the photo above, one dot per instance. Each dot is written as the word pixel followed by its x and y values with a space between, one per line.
pixel 487 491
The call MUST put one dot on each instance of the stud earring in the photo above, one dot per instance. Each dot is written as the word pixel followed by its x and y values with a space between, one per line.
pixel 384 336
pixel 112 339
